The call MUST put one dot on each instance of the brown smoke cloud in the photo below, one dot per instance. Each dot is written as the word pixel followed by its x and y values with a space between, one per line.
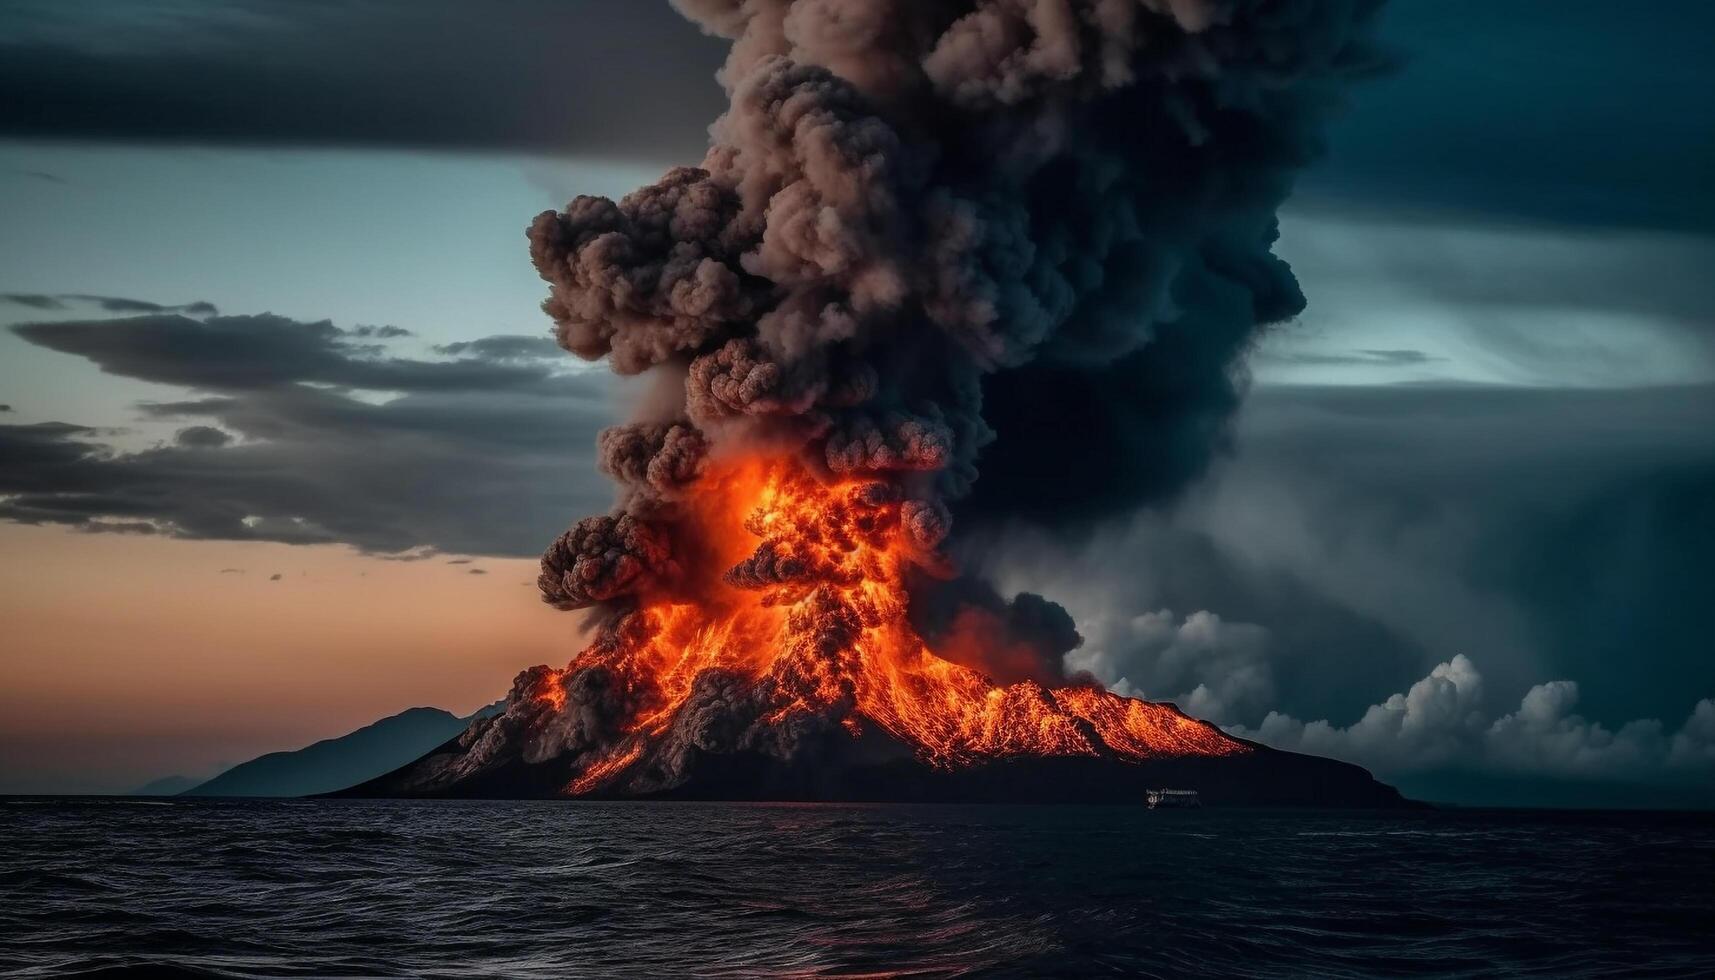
pixel 913 211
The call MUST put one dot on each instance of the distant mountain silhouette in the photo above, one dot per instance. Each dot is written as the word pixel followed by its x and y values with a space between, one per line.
pixel 166 786
pixel 336 763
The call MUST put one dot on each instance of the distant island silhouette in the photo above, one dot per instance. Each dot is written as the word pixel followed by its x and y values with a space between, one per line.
pixel 330 764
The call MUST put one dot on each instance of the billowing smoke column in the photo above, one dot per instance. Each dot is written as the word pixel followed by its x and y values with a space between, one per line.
pixel 1074 199
pixel 1063 208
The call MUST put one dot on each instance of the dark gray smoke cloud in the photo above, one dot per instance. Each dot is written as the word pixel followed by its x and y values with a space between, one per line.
pixel 966 621
pixel 1035 233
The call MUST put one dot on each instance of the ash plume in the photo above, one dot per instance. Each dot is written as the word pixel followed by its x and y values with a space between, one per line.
pixel 1062 208
pixel 1025 638
pixel 952 256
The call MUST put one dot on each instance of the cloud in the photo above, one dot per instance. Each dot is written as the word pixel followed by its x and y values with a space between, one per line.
pixel 388 332
pixel 1214 669
pixel 1440 723
pixel 1468 302
pixel 1366 358
pixel 505 348
pixel 511 75
pixel 413 554
pixel 1486 92
pixel 201 437
pixel 1431 724
pixel 35 301
pixel 1377 531
pixel 252 353
pixel 294 439
pixel 1502 114
pixel 1536 531
pixel 108 304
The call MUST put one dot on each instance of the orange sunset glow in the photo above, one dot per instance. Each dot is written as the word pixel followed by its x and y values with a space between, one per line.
pixel 170 663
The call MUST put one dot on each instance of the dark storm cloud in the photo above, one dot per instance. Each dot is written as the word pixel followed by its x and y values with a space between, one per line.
pixel 530 75
pixel 1376 532
pixel 247 353
pixel 1583 112
pixel 473 458
pixel 1573 528
pixel 1497 111
pixel 1511 271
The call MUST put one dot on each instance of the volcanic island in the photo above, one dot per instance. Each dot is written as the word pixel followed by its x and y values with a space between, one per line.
pixel 926 240
pixel 797 675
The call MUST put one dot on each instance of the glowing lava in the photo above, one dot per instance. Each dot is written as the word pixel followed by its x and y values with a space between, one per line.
pixel 811 614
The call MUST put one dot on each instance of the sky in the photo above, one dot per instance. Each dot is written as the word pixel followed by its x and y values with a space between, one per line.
pixel 284 427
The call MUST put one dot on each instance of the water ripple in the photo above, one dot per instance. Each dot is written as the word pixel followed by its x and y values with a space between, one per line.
pixel 456 890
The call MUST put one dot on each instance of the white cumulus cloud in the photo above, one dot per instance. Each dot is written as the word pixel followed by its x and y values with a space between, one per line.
pixel 1440 723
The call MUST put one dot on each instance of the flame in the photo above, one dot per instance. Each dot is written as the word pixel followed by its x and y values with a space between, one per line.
pixel 814 603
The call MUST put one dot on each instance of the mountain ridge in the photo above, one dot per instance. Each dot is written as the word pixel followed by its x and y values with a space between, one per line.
pixel 335 763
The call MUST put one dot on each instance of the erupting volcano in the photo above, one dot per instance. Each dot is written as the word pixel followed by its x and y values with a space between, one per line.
pixel 927 234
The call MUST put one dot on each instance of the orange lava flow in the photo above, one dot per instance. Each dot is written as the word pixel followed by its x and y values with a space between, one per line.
pixel 599 773
pixel 814 607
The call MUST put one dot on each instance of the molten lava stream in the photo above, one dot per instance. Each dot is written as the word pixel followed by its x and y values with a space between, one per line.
pixel 814 603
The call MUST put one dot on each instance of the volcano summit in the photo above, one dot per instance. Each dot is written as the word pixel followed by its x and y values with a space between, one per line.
pixel 927 235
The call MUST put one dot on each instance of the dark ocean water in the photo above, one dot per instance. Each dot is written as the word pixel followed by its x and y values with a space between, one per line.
pixel 456 889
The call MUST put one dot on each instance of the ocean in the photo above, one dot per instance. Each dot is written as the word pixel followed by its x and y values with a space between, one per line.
pixel 116 888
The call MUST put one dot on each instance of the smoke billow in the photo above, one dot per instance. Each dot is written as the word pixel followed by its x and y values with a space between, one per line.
pixel 603 558
pixel 968 622
pixel 1062 208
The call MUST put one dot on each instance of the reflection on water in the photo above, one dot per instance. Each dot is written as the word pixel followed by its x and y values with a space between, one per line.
pixel 461 889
